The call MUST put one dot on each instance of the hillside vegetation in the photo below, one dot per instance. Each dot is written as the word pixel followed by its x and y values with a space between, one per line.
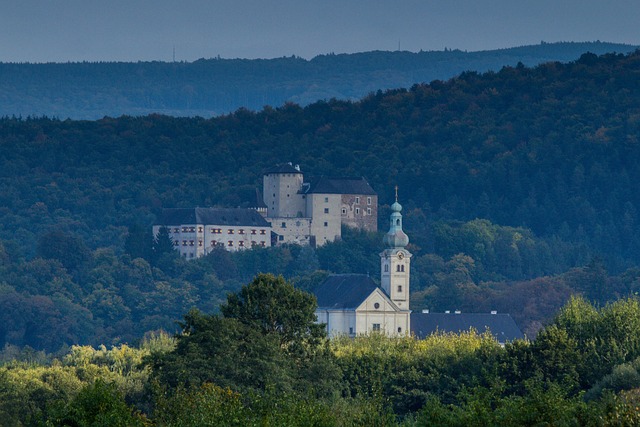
pixel 518 187
pixel 210 87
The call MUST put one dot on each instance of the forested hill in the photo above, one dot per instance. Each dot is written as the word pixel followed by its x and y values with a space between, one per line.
pixel 215 86
pixel 512 182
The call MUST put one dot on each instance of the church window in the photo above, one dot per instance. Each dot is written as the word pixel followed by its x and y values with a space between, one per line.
pixel 402 268
pixel 368 200
pixel 376 305
pixel 398 268
pixel 357 200
pixel 399 288
pixel 376 327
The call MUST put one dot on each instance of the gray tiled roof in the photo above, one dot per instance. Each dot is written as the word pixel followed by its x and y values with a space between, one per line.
pixel 344 291
pixel 325 185
pixel 501 326
pixel 212 216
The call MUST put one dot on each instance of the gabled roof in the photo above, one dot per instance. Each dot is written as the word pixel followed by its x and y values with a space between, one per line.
pixel 501 326
pixel 344 291
pixel 325 185
pixel 283 168
pixel 212 216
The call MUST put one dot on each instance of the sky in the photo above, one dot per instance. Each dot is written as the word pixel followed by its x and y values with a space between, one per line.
pixel 150 30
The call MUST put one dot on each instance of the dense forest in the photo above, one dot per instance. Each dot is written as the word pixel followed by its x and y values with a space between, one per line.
pixel 210 87
pixel 518 189
pixel 257 363
pixel 519 195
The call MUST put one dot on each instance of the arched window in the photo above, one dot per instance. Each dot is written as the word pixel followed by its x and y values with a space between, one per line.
pixel 386 268
pixel 398 268
pixel 397 222
pixel 402 267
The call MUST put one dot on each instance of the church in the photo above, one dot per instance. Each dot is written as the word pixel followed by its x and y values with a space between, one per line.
pixel 353 304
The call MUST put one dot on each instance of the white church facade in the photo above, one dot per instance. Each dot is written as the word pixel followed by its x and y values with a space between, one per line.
pixel 353 304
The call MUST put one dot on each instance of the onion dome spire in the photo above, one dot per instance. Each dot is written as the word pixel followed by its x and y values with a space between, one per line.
pixel 395 237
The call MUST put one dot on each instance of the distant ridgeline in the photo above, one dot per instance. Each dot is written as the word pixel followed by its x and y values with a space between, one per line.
pixel 210 87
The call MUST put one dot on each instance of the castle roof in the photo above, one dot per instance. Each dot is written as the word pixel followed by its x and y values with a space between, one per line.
pixel 283 168
pixel 328 185
pixel 344 291
pixel 502 326
pixel 212 216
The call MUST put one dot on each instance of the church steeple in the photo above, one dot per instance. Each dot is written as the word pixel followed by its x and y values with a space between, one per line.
pixel 395 237
pixel 395 261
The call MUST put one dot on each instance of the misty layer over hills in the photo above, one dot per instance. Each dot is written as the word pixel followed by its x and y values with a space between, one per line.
pixel 210 87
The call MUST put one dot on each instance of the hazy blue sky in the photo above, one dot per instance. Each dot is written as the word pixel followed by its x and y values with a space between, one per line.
pixel 131 30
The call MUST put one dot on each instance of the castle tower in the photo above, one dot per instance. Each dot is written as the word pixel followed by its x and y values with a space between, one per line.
pixel 280 190
pixel 395 261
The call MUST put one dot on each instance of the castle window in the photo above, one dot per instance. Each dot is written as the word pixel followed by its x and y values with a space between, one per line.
pixel 281 238
pixel 192 229
pixel 263 244
pixel 357 211
pixel 344 211
pixel 399 330
pixel 230 243
pixel 263 232
pixel 386 268
pixel 357 200
pixel 240 231
pixel 284 225
pixel 184 243
pixel 398 268
pixel 351 330
pixel 399 288
pixel 199 242
pixel 397 222
pixel 176 243
pixel 191 242
pixel 185 229
pixel 176 230
pixel 199 229
pixel 241 243
pixel 376 327
pixel 230 231
pixel 368 211
pixel 253 231
pixel 213 243
pixel 326 224
pixel 368 200
pixel 402 268
pixel 326 210
pixel 326 200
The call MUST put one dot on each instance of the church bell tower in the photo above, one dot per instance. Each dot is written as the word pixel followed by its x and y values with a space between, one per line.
pixel 395 261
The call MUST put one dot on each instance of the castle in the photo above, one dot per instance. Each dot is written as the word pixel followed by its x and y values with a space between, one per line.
pixel 291 211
